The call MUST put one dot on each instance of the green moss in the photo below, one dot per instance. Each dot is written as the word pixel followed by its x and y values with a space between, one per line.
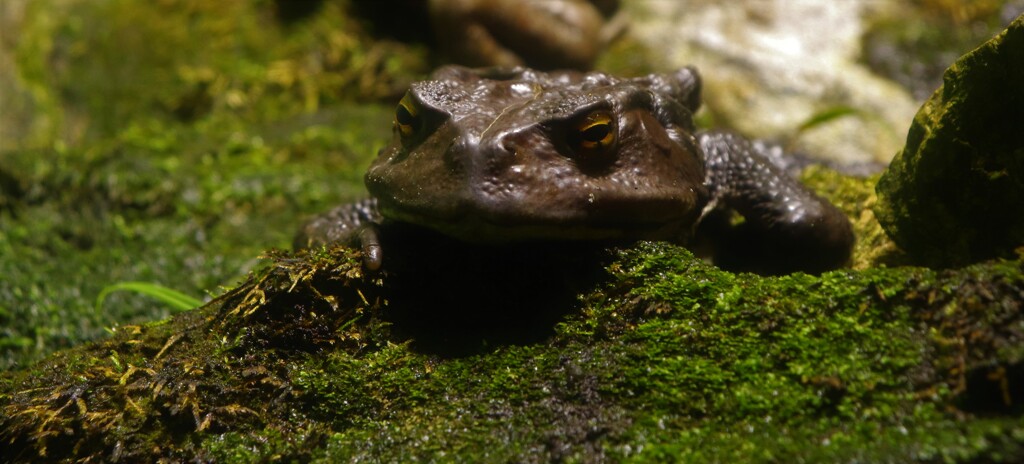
pixel 130 211
pixel 91 67
pixel 665 357
pixel 151 155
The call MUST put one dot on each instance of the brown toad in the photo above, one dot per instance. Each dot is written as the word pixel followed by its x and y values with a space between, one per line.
pixel 512 155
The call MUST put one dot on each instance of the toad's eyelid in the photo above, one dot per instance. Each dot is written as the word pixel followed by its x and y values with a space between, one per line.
pixel 596 118
pixel 590 109
pixel 409 105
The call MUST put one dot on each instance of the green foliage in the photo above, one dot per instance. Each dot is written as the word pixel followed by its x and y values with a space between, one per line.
pixel 828 115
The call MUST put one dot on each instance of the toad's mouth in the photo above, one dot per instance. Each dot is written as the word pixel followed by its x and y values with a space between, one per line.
pixel 474 226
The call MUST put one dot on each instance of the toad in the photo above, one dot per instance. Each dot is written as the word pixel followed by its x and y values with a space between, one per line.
pixel 502 155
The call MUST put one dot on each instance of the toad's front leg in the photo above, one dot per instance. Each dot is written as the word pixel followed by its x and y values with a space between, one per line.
pixel 785 226
pixel 355 224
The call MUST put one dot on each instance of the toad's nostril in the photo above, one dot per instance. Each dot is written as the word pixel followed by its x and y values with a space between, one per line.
pixel 508 148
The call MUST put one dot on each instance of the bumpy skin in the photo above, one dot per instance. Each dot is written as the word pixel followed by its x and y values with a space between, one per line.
pixel 786 227
pixel 503 155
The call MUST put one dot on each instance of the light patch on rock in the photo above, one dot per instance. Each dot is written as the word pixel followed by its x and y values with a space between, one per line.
pixel 770 66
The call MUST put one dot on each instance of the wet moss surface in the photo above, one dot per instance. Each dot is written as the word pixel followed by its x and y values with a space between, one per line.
pixel 658 356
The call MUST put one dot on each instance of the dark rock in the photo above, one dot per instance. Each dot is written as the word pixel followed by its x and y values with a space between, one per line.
pixel 955 194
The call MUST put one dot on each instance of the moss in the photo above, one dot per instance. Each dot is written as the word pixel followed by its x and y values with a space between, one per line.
pixel 663 357
pixel 176 162
pixel 129 210
pixel 93 66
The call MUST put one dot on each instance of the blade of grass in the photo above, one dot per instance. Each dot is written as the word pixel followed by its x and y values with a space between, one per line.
pixel 175 299
pixel 828 115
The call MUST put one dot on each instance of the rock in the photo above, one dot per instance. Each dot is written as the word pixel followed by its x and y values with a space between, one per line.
pixel 955 194
pixel 552 34
pixel 774 67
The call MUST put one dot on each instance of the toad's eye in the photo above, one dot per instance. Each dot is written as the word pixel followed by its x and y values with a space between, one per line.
pixel 407 116
pixel 595 132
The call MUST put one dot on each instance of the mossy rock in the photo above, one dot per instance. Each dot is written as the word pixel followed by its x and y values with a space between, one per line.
pixel 655 356
pixel 954 195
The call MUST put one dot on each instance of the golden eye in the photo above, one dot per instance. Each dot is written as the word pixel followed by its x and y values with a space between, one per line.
pixel 407 116
pixel 596 131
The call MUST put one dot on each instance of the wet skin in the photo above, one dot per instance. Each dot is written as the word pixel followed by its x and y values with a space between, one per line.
pixel 517 155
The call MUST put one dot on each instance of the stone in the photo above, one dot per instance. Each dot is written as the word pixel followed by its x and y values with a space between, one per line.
pixel 772 66
pixel 955 194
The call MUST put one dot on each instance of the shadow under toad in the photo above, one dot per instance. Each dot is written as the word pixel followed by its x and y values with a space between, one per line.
pixel 453 298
